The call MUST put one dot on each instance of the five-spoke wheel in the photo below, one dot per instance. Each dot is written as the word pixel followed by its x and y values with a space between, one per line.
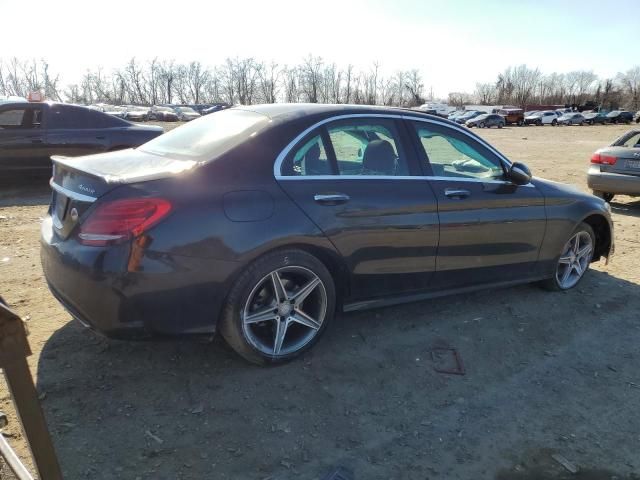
pixel 285 310
pixel 574 259
pixel 278 307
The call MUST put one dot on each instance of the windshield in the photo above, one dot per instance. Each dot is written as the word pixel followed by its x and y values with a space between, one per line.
pixel 207 137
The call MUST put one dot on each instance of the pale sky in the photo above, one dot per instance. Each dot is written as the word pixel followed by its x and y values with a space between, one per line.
pixel 453 43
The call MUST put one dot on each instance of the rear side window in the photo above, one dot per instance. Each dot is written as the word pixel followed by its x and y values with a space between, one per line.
pixel 75 117
pixel 12 118
pixel 23 118
pixel 364 147
pixel 209 136
pixel 367 147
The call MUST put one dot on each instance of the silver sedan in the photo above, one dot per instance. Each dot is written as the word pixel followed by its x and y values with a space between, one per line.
pixel 616 169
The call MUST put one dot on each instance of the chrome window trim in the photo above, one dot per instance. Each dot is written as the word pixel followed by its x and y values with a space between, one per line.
pixel 71 194
pixel 400 177
pixel 280 158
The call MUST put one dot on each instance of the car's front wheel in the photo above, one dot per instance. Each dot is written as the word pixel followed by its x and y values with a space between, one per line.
pixel 574 260
pixel 278 307
pixel 481 125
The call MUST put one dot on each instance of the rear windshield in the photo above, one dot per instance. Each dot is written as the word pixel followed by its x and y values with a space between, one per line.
pixel 207 137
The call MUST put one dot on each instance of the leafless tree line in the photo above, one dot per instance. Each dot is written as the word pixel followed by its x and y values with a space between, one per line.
pixel 248 81
pixel 237 81
pixel 521 85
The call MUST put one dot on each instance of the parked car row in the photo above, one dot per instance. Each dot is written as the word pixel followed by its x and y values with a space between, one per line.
pixel 164 113
pixel 508 116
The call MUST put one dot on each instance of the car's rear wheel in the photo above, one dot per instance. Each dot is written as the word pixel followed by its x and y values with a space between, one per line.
pixel 500 125
pixel 481 125
pixel 554 122
pixel 606 196
pixel 279 307
pixel 574 260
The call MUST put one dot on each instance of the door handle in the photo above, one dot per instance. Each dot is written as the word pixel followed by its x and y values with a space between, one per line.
pixel 456 193
pixel 36 140
pixel 331 198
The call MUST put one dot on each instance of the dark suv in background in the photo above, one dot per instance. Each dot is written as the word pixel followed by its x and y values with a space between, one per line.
pixel 512 116
pixel 30 133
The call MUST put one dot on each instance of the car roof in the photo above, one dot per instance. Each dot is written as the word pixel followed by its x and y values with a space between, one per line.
pixel 282 112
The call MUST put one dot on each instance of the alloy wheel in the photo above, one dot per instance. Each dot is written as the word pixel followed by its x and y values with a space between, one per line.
pixel 284 311
pixel 575 259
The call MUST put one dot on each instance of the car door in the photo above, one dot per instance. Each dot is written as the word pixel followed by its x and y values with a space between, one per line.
pixel 22 141
pixel 490 229
pixel 74 130
pixel 354 177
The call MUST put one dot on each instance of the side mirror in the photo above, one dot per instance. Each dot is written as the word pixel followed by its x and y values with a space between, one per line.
pixel 519 173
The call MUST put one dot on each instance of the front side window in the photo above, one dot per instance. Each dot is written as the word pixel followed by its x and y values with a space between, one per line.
pixel 453 154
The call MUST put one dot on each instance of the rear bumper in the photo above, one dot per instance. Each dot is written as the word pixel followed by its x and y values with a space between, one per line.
pixel 613 182
pixel 164 295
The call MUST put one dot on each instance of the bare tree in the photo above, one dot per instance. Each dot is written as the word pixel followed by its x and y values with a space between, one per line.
pixel 310 72
pixel 269 76
pixel 485 93
pixel 414 85
pixel 630 83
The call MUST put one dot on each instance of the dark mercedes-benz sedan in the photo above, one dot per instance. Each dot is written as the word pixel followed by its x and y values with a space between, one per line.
pixel 263 222
pixel 30 133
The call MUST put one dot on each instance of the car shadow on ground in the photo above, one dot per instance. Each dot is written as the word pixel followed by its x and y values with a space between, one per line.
pixel 23 193
pixel 628 209
pixel 366 396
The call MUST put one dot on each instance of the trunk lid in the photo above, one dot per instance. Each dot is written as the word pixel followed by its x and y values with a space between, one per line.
pixel 628 160
pixel 78 182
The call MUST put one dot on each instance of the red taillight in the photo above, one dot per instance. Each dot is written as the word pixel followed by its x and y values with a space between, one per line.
pixel 122 219
pixel 603 159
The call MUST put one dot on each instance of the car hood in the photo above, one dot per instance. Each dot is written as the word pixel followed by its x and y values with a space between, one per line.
pixel 126 166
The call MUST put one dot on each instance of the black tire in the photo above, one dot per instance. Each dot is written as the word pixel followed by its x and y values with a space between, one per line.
pixel 481 125
pixel 554 122
pixel 231 322
pixel 552 283
pixel 500 125
pixel 607 197
pixel 539 123
pixel 520 123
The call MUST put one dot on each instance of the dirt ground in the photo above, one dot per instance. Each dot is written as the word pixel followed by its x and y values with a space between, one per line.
pixel 545 373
